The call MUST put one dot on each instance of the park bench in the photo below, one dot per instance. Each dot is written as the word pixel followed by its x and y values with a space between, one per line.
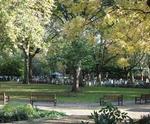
pixel 4 98
pixel 112 98
pixel 42 97
pixel 143 98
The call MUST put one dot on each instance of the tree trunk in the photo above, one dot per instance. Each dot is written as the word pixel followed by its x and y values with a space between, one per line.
pixel 98 75
pixel 148 73
pixel 74 87
pixel 81 83
pixel 26 69
pixel 28 62
pixel 149 68
pixel 131 77
pixel 99 78
pixel 142 75
pixel 30 68
pixel 76 79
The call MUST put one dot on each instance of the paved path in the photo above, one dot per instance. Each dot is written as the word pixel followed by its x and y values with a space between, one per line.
pixel 66 120
pixel 134 111
pixel 79 112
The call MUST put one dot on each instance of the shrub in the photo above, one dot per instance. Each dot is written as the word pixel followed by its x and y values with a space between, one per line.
pixel 110 115
pixel 144 120
pixel 18 112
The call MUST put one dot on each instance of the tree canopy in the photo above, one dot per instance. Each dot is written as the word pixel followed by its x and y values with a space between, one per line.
pixel 78 34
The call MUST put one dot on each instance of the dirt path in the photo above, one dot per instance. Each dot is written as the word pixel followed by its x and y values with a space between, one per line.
pixel 134 111
pixel 73 119
pixel 80 112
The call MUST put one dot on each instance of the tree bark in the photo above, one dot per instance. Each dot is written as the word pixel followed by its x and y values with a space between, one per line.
pixel 142 75
pixel 28 57
pixel 148 73
pixel 81 83
pixel 30 68
pixel 26 69
pixel 31 56
pixel 97 74
pixel 26 52
pixel 76 79
pixel 131 77
pixel 126 75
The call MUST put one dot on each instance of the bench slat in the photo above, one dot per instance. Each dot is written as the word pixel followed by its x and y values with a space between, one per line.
pixel 112 97
pixel 143 98
pixel 35 97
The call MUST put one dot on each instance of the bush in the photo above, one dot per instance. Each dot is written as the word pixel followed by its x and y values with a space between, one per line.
pixel 18 112
pixel 110 115
pixel 144 120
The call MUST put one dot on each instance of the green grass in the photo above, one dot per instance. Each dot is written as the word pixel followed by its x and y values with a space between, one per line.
pixel 87 94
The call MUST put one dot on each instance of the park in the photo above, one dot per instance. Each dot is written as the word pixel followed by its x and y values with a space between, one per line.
pixel 75 61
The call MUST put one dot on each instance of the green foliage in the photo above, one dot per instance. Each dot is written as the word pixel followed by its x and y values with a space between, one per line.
pixel 109 115
pixel 130 31
pixel 24 24
pixel 108 2
pixel 24 21
pixel 18 112
pixel 77 52
pixel 11 65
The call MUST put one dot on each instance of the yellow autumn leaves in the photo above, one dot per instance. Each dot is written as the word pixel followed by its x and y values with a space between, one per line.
pixel 73 28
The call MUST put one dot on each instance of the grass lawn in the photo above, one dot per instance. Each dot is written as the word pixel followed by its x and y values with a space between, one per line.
pixel 86 95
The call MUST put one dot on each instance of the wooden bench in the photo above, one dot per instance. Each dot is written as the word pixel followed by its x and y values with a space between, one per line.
pixel 37 97
pixel 112 98
pixel 143 98
pixel 4 98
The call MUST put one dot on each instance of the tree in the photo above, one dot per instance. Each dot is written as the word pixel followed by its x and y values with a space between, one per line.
pixel 130 30
pixel 103 55
pixel 78 18
pixel 24 23
pixel 77 56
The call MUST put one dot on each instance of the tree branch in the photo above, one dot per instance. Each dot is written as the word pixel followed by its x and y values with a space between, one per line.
pixel 137 10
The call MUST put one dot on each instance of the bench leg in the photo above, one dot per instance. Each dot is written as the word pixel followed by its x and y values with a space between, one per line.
pixel 138 100
pixel 121 102
pixel 101 101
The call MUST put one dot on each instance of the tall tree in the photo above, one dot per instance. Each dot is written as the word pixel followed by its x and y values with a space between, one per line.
pixel 130 31
pixel 78 17
pixel 24 23
pixel 76 55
